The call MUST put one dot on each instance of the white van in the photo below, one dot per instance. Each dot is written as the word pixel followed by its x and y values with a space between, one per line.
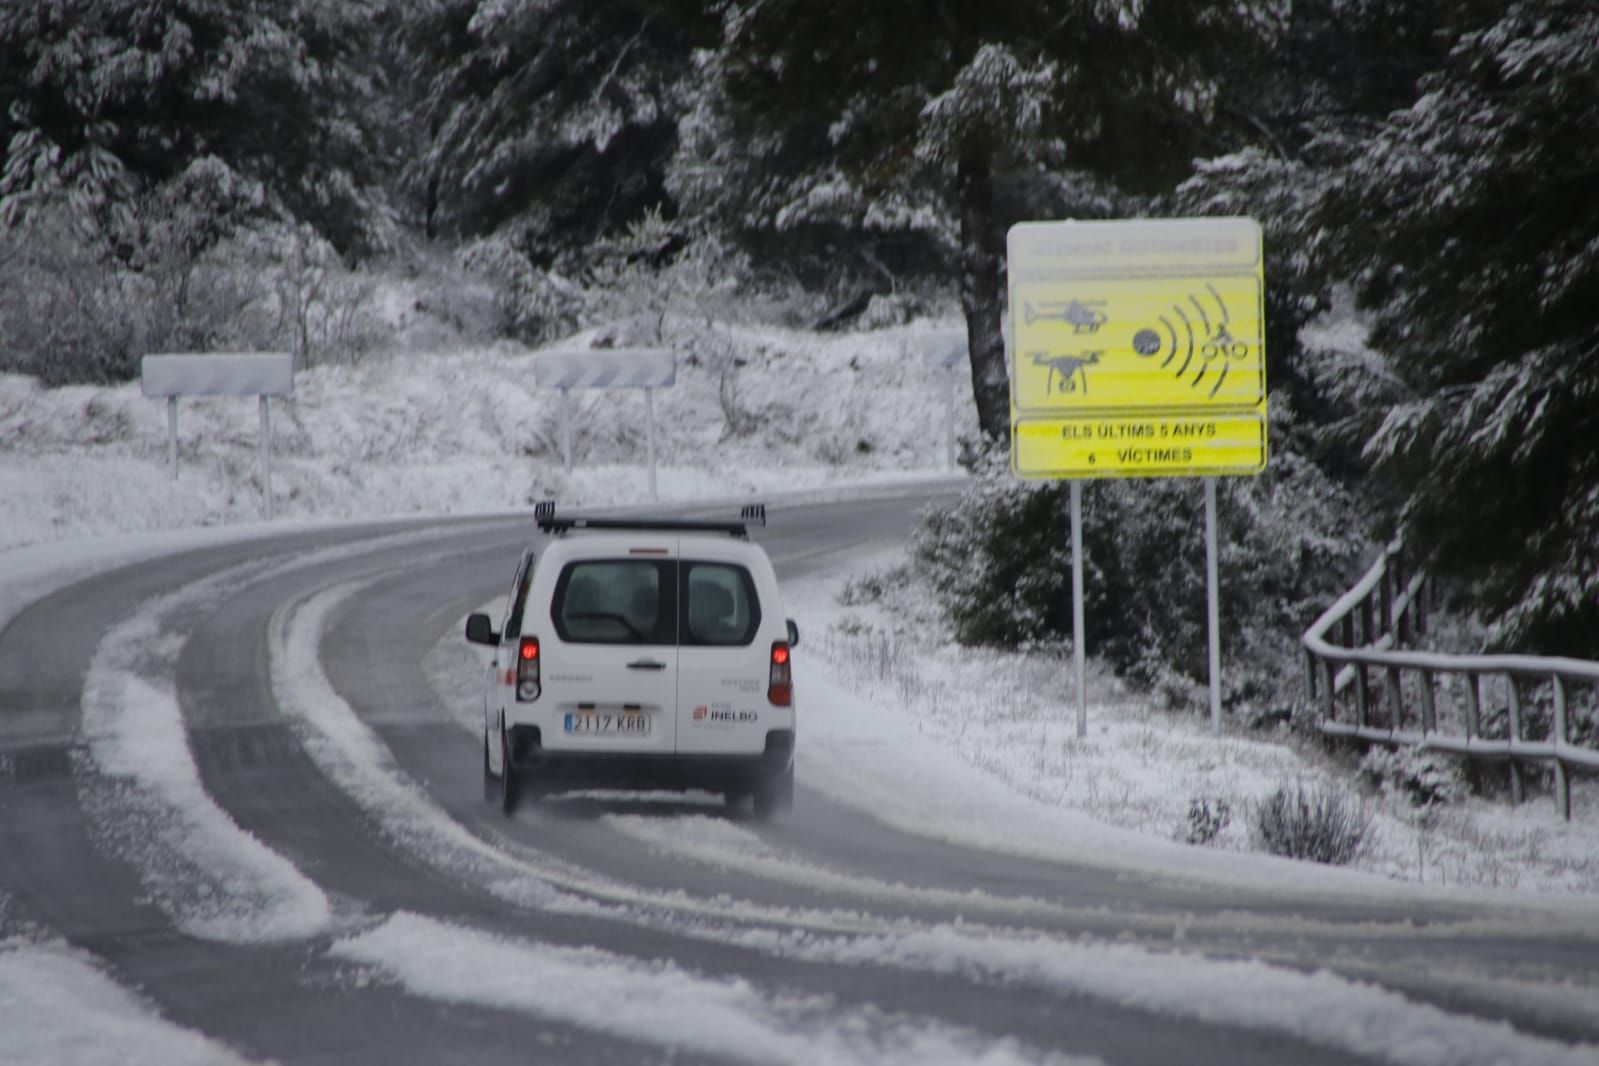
pixel 641 653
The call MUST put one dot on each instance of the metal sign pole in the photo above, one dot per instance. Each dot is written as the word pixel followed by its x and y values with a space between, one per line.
pixel 1213 597
pixel 172 435
pixel 1077 607
pixel 566 430
pixel 266 457
pixel 949 417
pixel 649 407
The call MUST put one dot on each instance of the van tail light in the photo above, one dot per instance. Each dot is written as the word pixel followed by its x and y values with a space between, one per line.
pixel 527 670
pixel 780 690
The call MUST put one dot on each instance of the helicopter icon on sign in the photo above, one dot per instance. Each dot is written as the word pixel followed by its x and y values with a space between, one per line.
pixel 1082 316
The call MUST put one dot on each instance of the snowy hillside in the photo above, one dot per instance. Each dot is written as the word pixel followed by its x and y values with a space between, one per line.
pixel 469 431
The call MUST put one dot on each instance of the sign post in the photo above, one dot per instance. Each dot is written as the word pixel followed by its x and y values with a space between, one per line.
pixel 607 368
pixel 945 350
pixel 1139 351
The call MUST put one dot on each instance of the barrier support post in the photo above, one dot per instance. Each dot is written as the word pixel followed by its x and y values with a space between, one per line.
pixel 172 436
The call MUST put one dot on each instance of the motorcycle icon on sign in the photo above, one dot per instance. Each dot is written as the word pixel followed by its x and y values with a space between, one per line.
pixel 1083 316
pixel 1223 344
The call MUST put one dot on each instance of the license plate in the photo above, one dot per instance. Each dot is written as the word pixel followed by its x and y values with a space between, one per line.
pixel 599 723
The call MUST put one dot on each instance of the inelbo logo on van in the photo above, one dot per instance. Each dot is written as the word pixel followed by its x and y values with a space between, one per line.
pixel 723 714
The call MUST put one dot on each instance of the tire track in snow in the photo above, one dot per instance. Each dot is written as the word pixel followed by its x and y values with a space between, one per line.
pixel 145 798
pixel 141 787
pixel 661 1003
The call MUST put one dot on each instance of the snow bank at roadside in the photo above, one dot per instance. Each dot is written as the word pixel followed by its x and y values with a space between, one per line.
pixel 58 1006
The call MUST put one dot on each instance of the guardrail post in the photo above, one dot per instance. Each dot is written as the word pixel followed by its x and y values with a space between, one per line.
pixel 1362 695
pixel 1331 695
pixel 1473 707
pixel 1366 635
pixel 1396 696
pixel 1518 789
pixel 1429 704
pixel 1562 782
pixel 1386 593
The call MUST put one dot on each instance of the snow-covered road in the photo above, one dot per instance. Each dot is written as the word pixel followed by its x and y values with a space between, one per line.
pixel 242 819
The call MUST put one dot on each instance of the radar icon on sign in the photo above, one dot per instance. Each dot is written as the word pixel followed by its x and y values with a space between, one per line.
pixel 1210 342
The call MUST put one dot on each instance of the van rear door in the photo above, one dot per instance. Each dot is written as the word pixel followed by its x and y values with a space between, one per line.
pixel 610 670
pixel 722 672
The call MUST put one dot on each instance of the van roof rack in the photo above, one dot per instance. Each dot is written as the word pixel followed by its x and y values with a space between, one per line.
pixel 549 522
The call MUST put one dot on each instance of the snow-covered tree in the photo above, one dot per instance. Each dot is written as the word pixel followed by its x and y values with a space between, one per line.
pixel 104 99
pixel 555 117
pixel 1471 220
pixel 907 115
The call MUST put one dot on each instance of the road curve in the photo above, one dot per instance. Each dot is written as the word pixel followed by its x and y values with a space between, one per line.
pixel 238 779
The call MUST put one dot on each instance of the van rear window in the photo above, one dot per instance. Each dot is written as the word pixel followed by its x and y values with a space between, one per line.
pixel 616 601
pixel 719 604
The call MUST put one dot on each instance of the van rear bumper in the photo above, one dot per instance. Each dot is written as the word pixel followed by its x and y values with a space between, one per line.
pixel 541 770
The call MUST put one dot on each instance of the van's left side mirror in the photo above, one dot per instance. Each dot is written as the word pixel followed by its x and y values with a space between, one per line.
pixel 793 634
pixel 480 630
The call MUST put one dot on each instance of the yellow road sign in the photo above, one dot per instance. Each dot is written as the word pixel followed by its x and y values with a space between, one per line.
pixel 1122 327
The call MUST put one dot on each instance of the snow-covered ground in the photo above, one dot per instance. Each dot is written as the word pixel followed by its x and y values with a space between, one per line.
pixel 899 719
pixel 468 432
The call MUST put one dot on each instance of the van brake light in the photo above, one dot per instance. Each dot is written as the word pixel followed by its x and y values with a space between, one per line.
pixel 527 670
pixel 780 688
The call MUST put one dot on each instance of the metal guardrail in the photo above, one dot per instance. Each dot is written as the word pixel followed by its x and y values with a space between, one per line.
pixel 1515 709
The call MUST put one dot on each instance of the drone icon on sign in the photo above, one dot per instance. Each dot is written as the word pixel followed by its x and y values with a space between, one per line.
pixel 1068 367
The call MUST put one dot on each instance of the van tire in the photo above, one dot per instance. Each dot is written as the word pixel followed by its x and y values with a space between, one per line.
pixel 510 785
pixel 491 782
pixel 775 795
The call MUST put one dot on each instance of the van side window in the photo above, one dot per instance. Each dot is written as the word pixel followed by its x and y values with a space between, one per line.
pixel 513 619
pixel 719 604
pixel 616 601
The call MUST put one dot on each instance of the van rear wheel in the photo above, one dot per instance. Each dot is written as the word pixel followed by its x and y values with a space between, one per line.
pixel 509 784
pixel 491 782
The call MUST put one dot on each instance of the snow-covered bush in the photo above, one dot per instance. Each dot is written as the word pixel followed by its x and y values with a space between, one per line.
pixel 322 310
pixel 534 305
pixel 1425 778
pixel 1320 825
pixel 84 295
pixel 67 314
pixel 198 264
pixel 1207 817
pixel 999 560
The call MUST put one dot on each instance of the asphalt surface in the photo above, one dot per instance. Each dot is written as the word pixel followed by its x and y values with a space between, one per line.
pixel 67 873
